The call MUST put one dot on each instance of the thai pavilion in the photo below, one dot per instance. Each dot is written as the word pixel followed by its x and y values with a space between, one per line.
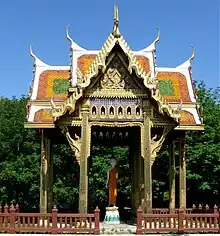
pixel 113 88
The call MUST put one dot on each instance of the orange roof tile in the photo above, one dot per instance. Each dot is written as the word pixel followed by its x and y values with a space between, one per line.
pixel 144 62
pixel 53 83
pixel 43 116
pixel 84 62
pixel 176 87
pixel 187 118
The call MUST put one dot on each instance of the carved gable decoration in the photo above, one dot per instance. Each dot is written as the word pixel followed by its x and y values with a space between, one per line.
pixel 117 76
pixel 116 80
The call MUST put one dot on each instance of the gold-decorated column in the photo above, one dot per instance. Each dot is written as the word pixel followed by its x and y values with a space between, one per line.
pixel 83 182
pixel 50 178
pixel 147 162
pixel 172 170
pixel 182 172
pixel 45 172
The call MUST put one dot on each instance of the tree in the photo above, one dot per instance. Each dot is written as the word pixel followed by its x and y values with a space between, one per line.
pixel 203 151
pixel 19 155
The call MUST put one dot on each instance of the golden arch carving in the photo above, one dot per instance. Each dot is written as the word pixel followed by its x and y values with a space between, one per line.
pixel 111 111
pixel 128 111
pixel 137 111
pixel 94 111
pixel 103 111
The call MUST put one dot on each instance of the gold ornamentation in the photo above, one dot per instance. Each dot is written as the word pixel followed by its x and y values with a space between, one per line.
pixel 115 124
pixel 44 161
pixel 68 105
pixel 156 144
pixel 112 79
pixel 113 93
pixel 116 31
pixel 164 107
pixel 75 144
pixel 99 62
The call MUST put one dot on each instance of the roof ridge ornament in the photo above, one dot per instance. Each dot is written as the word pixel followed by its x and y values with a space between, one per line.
pixel 152 46
pixel 188 63
pixel 116 33
pixel 37 61
pixel 193 53
pixel 73 45
pixel 158 36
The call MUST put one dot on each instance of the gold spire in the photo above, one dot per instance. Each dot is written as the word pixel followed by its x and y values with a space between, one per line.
pixel 116 33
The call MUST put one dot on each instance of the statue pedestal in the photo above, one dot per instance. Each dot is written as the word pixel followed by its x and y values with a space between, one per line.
pixel 112 215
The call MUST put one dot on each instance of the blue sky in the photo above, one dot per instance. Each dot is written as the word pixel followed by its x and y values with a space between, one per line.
pixel 42 23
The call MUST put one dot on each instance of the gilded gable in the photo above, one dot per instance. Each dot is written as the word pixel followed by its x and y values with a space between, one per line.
pixel 116 81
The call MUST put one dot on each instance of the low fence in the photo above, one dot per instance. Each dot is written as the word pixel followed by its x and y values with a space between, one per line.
pixel 193 209
pixel 181 221
pixel 11 221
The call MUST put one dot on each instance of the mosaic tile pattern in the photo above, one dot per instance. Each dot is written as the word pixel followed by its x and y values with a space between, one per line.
pixel 187 118
pixel 84 62
pixel 172 85
pixel 144 62
pixel 53 83
pixel 179 86
pixel 43 115
pixel 166 87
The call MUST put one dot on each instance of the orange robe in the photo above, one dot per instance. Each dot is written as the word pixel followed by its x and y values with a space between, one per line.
pixel 112 186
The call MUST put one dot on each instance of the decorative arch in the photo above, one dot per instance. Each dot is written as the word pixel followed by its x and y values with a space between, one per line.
pixel 94 111
pixel 103 111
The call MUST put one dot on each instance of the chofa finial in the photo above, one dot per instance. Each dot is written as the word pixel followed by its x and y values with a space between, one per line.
pixel 67 34
pixel 73 45
pixel 37 61
pixel 193 53
pixel 158 36
pixel 116 33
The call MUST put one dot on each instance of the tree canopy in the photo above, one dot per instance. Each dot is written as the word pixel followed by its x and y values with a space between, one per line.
pixel 20 162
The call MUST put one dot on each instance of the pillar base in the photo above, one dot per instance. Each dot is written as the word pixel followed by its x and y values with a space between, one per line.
pixel 112 215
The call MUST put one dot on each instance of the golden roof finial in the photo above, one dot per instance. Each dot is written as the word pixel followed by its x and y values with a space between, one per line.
pixel 116 33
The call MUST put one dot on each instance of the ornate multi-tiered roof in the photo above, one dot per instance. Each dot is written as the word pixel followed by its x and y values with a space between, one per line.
pixel 55 89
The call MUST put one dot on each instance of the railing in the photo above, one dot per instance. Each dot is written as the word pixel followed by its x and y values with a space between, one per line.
pixel 54 223
pixel 178 222
pixel 193 209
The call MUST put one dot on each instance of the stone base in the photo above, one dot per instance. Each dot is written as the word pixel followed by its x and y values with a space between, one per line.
pixel 112 215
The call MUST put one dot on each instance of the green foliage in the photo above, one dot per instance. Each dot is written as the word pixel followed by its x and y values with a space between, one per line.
pixel 19 155
pixel 203 150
